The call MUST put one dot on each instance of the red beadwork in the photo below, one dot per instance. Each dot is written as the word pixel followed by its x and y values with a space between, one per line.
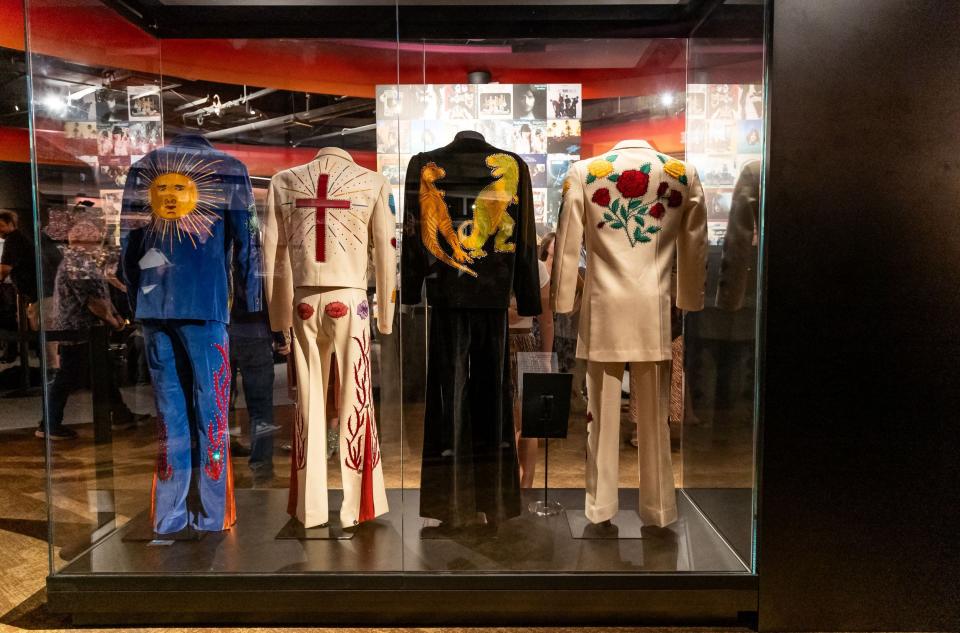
pixel 217 454
pixel 304 311
pixel 361 425
pixel 336 309
pixel 164 469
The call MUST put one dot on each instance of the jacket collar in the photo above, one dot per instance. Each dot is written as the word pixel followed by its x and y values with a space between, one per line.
pixel 633 145
pixel 334 151
pixel 464 135
pixel 191 140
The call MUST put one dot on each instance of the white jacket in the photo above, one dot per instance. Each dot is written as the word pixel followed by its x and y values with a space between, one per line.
pixel 290 247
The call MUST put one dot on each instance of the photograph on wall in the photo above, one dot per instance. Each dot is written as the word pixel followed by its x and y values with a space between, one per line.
pixel 389 102
pixel 111 106
pixel 748 137
pixel 145 136
pixel 144 103
pixel 111 201
pixel 113 175
pixel 81 105
pixel 529 102
pixel 496 101
pixel 564 101
pixel 540 206
pixel 723 101
pixel 537 164
pixel 721 137
pixel 718 204
pixel 718 171
pixel 563 136
pixel 114 140
pixel 530 137
pixel 80 137
pixel 752 101
pixel 389 166
pixel 696 101
pixel 459 101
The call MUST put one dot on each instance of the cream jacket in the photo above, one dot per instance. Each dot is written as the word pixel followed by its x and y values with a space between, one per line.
pixel 290 249
pixel 637 211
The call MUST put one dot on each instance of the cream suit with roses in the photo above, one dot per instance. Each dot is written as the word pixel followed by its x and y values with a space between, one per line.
pixel 638 212
pixel 322 219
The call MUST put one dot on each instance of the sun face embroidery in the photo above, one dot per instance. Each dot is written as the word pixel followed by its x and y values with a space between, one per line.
pixel 182 193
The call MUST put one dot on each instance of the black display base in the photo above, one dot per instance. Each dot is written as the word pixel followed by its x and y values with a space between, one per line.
pixel 329 531
pixel 532 570
pixel 140 530
pixel 625 525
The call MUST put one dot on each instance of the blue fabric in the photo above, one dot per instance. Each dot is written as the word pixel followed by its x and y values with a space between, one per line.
pixel 181 275
pixel 190 357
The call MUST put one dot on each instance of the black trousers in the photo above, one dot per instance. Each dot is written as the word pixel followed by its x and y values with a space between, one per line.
pixel 469 450
pixel 74 371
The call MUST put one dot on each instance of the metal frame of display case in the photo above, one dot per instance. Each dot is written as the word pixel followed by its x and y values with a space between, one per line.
pixel 422 598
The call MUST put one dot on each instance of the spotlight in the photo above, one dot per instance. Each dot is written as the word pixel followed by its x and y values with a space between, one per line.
pixel 666 99
pixel 54 104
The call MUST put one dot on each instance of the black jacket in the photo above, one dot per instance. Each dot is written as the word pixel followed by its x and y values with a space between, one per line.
pixel 470 264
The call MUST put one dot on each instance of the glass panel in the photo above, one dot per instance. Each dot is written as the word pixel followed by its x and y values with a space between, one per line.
pixel 724 140
pixel 84 140
pixel 239 191
pixel 551 103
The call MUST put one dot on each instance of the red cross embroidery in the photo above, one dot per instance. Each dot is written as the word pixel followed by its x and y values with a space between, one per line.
pixel 321 204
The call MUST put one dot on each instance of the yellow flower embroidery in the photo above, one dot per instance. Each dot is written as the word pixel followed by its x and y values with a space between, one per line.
pixel 675 168
pixel 600 168
pixel 566 187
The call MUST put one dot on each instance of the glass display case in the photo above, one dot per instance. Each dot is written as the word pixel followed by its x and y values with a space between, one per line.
pixel 336 299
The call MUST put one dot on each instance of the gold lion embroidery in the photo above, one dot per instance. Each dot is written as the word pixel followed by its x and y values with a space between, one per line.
pixel 490 215
pixel 435 220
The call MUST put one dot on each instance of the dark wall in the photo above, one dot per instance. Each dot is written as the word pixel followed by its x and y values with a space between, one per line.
pixel 15 189
pixel 859 525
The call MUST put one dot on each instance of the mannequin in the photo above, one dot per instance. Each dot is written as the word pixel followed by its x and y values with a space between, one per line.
pixel 185 208
pixel 321 219
pixel 638 211
pixel 469 235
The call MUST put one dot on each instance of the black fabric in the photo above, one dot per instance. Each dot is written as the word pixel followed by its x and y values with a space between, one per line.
pixel 18 254
pixel 497 273
pixel 469 450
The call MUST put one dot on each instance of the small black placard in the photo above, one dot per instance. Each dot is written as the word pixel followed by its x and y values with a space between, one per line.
pixel 546 405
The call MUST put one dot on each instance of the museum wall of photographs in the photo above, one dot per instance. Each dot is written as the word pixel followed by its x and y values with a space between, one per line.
pixel 360 409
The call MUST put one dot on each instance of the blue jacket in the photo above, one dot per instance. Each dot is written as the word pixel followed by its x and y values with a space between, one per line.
pixel 186 208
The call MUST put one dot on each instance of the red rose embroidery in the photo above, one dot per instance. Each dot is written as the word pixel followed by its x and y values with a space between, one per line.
pixel 675 198
pixel 335 309
pixel 304 310
pixel 393 242
pixel 633 183
pixel 601 197
pixel 600 224
pixel 662 189
pixel 657 211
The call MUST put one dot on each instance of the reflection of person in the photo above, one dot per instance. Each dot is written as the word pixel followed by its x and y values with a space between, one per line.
pixel 81 301
pixel 528 334
pixel 17 258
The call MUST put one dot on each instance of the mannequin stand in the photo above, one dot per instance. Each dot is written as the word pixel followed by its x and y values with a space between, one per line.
pixel 545 507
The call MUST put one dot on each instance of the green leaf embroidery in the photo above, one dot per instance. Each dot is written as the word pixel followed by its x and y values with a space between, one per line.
pixel 613 177
pixel 616 225
pixel 663 159
pixel 653 229
pixel 615 205
pixel 643 238
pixel 611 158
pixel 637 234
pixel 608 217
pixel 646 168
pixel 636 202
pixel 683 179
pixel 640 219
pixel 590 178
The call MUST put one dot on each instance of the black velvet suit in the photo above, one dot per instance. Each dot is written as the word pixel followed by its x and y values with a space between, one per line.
pixel 469 451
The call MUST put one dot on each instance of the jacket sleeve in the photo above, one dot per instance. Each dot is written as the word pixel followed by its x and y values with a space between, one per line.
pixel 278 282
pixel 692 248
pixel 244 230
pixel 526 271
pixel 738 247
pixel 566 248
pixel 413 257
pixel 383 237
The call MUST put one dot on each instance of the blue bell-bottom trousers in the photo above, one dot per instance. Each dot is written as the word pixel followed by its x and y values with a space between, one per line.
pixel 189 364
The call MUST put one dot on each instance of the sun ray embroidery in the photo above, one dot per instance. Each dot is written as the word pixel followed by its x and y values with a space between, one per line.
pixel 182 194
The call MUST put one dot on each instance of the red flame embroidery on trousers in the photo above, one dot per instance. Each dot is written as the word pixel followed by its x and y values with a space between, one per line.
pixel 217 428
pixel 363 446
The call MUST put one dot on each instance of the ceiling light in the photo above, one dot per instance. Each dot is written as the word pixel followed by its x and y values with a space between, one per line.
pixel 54 104
pixel 666 99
